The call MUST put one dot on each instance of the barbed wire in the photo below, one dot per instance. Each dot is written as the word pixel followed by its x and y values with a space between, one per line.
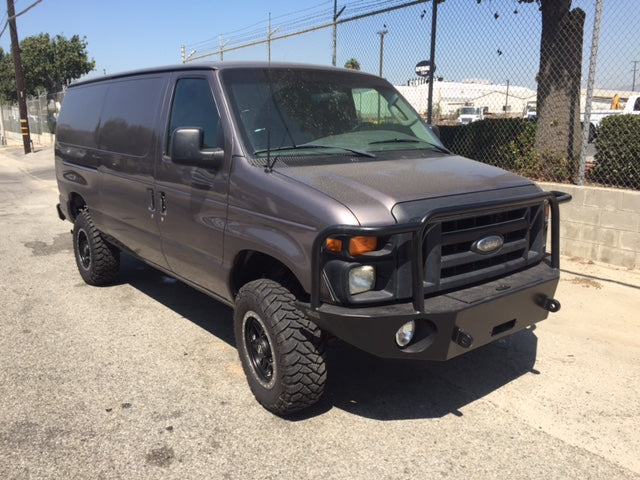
pixel 288 23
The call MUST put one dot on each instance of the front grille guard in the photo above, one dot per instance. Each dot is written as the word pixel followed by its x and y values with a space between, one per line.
pixel 417 230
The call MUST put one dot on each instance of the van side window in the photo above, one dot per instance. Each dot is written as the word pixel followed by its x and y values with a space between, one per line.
pixel 193 106
pixel 129 114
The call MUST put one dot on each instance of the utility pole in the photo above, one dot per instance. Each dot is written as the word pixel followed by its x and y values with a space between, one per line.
pixel 336 14
pixel 222 45
pixel 22 101
pixel 382 33
pixel 269 35
pixel 635 66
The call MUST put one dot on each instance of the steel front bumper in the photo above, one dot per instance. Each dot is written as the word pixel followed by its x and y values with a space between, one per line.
pixel 450 324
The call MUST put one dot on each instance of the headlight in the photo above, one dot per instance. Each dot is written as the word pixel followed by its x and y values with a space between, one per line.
pixel 361 279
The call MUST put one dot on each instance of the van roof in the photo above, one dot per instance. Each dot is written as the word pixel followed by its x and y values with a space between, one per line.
pixel 208 66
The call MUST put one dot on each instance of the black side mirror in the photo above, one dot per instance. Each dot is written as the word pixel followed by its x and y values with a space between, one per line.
pixel 186 149
pixel 435 129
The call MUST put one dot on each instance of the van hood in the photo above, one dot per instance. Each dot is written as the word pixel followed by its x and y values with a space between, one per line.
pixel 371 189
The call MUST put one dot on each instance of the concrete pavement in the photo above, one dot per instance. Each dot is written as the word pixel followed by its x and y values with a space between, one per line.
pixel 141 379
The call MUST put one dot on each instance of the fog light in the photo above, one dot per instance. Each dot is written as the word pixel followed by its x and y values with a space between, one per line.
pixel 361 279
pixel 405 333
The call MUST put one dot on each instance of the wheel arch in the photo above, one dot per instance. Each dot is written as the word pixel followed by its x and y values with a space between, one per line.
pixel 75 205
pixel 252 265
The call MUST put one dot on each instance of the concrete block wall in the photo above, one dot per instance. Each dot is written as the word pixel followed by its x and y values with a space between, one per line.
pixel 601 224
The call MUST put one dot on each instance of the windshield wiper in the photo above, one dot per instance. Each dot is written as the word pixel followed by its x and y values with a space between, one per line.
pixel 306 146
pixel 411 140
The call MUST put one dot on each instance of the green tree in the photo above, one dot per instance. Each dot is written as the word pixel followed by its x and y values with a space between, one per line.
pixel 49 64
pixel 7 76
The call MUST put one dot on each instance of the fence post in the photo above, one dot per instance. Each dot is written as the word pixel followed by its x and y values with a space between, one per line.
pixel 586 121
pixel 434 23
pixel 3 139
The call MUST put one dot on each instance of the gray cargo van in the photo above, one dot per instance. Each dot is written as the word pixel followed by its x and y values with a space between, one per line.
pixel 315 201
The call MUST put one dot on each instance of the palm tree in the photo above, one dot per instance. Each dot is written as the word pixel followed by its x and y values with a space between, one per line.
pixel 353 64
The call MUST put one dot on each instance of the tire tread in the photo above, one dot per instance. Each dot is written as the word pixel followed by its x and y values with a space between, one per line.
pixel 105 258
pixel 300 346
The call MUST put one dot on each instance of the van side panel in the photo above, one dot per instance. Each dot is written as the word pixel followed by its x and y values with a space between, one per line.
pixel 127 141
pixel 107 135
pixel 77 158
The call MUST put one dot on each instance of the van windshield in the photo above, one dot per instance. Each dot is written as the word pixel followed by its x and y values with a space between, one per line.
pixel 306 113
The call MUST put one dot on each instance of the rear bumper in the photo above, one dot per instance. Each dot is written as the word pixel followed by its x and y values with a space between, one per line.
pixel 61 214
pixel 449 324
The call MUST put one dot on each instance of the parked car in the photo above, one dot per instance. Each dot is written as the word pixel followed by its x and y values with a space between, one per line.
pixel 312 200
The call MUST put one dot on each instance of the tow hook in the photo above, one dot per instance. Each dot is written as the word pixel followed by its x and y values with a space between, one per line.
pixel 550 304
pixel 463 339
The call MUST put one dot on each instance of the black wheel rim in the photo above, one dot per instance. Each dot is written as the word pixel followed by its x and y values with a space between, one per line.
pixel 84 250
pixel 259 349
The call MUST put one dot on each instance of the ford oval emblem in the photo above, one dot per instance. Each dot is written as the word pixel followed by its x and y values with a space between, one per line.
pixel 488 244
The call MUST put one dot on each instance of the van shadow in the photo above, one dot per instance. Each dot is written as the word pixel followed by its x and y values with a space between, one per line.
pixel 360 383
pixel 209 314
pixel 384 389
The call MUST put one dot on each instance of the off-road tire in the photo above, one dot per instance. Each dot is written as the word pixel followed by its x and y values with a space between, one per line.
pixel 98 261
pixel 281 351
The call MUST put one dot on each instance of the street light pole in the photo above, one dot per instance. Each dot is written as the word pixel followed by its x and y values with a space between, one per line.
pixel 382 33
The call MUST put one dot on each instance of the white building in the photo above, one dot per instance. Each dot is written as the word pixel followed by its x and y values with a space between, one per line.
pixel 449 97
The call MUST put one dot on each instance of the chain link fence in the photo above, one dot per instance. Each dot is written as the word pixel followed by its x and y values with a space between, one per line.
pixel 564 109
pixel 543 88
pixel 42 114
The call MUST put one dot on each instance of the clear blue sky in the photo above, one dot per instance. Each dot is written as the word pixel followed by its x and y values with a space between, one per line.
pixel 124 35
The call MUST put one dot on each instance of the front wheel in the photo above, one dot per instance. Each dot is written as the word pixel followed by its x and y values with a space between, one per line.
pixel 281 351
pixel 98 261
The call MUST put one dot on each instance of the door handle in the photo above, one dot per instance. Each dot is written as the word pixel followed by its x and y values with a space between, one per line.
pixel 163 203
pixel 151 199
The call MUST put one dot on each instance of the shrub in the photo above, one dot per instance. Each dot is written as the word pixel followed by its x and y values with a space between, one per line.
pixel 506 143
pixel 617 160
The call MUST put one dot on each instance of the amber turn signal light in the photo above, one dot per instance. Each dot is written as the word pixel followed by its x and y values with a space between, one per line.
pixel 360 245
pixel 333 245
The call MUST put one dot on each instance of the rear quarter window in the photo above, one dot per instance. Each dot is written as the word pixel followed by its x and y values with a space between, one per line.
pixel 80 115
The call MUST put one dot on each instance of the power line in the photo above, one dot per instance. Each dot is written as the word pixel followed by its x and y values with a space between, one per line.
pixel 13 17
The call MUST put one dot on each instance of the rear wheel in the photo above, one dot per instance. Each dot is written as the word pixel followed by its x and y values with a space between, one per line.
pixel 98 261
pixel 282 352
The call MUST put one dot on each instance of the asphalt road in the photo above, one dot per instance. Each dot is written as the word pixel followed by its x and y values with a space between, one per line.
pixel 141 379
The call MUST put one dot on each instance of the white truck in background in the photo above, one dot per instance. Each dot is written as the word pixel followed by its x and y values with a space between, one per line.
pixel 470 114
pixel 631 107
